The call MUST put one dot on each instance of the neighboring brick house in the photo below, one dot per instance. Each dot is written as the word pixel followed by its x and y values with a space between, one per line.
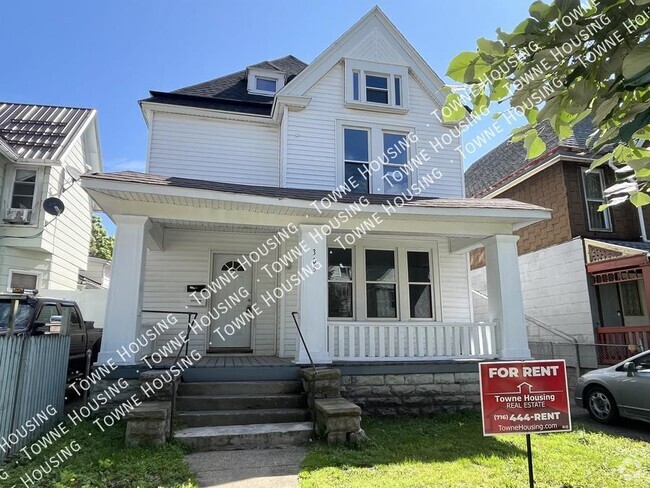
pixel 583 271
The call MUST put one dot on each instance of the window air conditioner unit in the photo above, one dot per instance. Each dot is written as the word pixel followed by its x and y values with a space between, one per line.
pixel 18 216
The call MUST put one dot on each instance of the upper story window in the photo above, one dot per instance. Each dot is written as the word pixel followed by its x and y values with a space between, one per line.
pixel 375 159
pixel 376 86
pixel 21 192
pixel 593 183
pixel 24 189
pixel 264 81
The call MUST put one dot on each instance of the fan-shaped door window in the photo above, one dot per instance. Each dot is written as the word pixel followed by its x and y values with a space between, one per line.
pixel 232 266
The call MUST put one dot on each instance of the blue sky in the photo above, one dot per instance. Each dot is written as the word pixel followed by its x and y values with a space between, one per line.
pixel 108 54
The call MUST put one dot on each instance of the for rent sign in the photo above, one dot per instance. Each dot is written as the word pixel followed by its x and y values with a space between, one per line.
pixel 524 397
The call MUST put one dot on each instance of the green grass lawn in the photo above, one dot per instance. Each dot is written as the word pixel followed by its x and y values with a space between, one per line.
pixel 450 451
pixel 104 462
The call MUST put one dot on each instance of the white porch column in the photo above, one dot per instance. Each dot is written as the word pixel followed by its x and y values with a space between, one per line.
pixel 505 300
pixel 312 298
pixel 124 304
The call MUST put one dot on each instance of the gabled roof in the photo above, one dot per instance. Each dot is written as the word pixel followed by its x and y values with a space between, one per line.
pixel 230 92
pixel 39 132
pixel 374 23
pixel 508 161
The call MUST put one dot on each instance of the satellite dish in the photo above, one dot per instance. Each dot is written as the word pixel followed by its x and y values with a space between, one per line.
pixel 53 206
pixel 74 173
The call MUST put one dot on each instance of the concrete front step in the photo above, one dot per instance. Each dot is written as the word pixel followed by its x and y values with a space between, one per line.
pixel 239 402
pixel 239 387
pixel 257 436
pixel 241 417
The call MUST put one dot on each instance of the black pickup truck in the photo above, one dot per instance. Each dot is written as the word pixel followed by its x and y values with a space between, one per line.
pixel 34 315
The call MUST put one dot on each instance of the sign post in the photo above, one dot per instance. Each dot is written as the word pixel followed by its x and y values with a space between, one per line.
pixel 524 397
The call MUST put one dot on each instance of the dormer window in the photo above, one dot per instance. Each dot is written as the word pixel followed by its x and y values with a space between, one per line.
pixel 265 81
pixel 375 86
pixel 266 84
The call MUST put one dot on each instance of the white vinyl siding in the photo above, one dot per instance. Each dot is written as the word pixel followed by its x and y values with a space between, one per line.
pixel 215 150
pixel 68 236
pixel 312 154
pixel 554 286
pixel 186 260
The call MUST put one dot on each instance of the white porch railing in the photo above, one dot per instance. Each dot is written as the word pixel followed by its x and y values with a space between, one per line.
pixel 411 341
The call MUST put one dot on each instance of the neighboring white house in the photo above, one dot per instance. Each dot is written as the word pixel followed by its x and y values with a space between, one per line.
pixel 237 197
pixel 43 151
pixel 97 274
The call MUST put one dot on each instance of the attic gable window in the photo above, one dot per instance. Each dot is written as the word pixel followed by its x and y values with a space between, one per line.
pixel 376 86
pixel 264 81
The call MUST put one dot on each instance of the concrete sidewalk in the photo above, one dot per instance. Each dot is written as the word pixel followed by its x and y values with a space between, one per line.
pixel 258 468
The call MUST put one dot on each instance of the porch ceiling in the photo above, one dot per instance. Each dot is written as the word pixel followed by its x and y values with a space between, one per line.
pixel 173 201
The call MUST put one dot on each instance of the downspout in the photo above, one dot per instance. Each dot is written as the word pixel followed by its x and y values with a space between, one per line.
pixel 644 234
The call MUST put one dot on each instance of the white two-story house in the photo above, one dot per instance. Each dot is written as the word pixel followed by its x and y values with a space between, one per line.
pixel 43 152
pixel 324 192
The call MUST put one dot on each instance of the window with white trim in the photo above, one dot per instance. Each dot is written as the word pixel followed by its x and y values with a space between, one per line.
pixel 376 86
pixel 593 183
pixel 381 284
pixel 24 189
pixel 264 81
pixel 340 283
pixel 376 160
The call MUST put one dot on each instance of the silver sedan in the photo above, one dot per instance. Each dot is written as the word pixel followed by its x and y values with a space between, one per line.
pixel 622 390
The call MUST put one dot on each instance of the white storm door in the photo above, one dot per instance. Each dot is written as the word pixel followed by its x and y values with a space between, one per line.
pixel 232 330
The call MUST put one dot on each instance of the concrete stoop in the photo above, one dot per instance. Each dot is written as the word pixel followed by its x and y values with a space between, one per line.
pixel 242 415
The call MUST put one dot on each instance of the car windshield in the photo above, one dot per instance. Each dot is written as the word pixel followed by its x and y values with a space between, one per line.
pixel 23 316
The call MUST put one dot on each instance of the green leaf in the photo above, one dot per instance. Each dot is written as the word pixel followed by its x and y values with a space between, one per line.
pixel 500 89
pixel 534 144
pixel 460 64
pixel 492 48
pixel 636 62
pixel 531 115
pixel 566 6
pixel 639 199
pixel 455 109
pixel 541 11
pixel 600 161
pixel 582 92
pixel 604 109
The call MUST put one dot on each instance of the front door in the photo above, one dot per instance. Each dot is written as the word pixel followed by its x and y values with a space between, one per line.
pixel 232 330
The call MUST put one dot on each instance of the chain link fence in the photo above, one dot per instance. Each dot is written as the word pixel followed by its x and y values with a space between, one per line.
pixel 581 358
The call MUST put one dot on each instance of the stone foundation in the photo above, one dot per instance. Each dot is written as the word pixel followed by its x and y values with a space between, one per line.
pixel 412 394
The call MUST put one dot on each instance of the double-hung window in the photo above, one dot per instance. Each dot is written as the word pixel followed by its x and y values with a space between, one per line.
pixel 24 189
pixel 357 158
pixel 419 279
pixel 375 160
pixel 376 86
pixel 381 284
pixel 594 190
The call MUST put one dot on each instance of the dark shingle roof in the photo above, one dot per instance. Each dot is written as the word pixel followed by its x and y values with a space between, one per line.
pixel 508 161
pixel 39 131
pixel 230 92
pixel 303 194
pixel 640 245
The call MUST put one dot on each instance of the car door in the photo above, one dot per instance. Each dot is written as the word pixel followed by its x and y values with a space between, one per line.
pixel 635 390
pixel 77 331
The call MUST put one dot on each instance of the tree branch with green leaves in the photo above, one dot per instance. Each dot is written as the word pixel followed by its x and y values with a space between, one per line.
pixel 565 62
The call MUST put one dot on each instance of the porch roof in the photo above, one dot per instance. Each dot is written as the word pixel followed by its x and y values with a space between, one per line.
pixel 113 191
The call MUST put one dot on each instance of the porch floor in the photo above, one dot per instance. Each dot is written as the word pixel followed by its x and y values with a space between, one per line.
pixel 232 362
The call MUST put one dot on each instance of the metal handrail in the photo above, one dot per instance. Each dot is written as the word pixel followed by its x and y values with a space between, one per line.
pixel 295 321
pixel 191 316
pixel 537 322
